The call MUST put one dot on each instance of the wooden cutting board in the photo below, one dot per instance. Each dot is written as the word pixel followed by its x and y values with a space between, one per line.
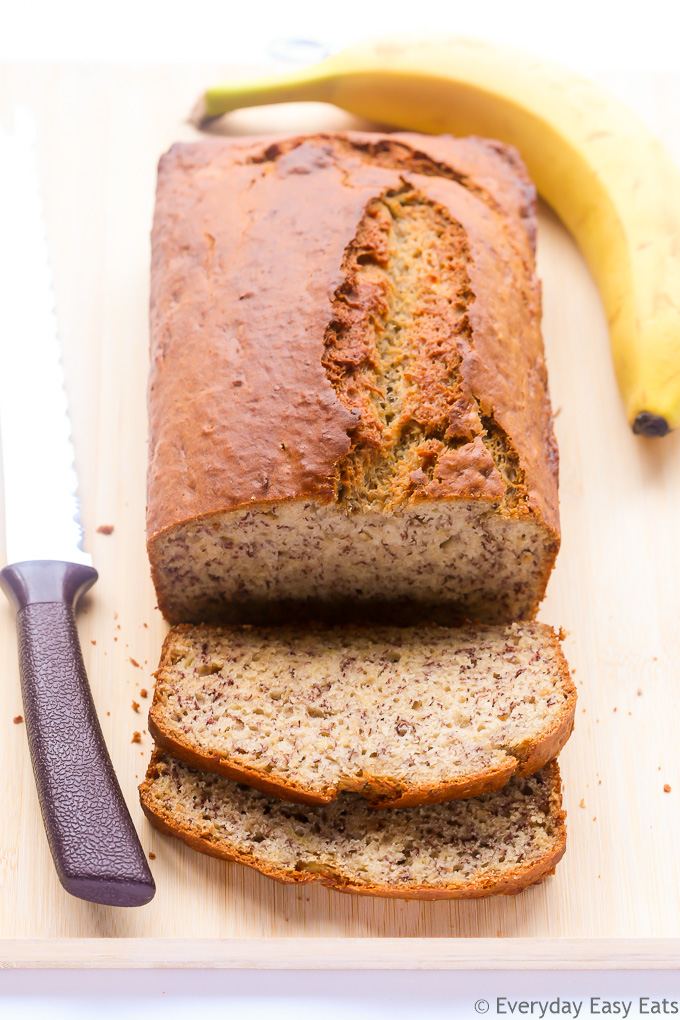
pixel 615 899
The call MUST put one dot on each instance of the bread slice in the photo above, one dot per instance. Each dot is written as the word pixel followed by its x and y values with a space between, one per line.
pixel 501 842
pixel 401 716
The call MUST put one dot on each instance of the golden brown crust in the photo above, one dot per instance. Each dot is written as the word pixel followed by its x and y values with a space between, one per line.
pixel 529 758
pixel 238 226
pixel 516 880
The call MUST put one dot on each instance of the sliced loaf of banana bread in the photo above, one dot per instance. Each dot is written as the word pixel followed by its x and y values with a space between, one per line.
pixel 348 400
pixel 400 715
pixel 501 842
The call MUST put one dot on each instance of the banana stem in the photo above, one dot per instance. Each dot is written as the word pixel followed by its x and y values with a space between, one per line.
pixel 300 86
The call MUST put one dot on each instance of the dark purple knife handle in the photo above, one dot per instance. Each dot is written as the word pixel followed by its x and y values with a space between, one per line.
pixel 94 844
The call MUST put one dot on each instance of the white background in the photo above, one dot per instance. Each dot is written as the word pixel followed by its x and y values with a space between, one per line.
pixel 609 34
pixel 339 995
pixel 595 36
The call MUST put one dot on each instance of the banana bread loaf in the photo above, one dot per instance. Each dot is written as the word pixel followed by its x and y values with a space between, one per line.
pixel 400 715
pixel 348 396
pixel 464 849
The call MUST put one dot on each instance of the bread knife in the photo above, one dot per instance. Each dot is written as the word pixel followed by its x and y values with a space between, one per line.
pixel 96 850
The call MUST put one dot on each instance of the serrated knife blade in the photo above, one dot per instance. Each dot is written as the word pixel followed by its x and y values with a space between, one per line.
pixel 42 511
pixel 94 845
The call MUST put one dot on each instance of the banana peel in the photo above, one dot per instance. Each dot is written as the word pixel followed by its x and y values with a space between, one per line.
pixel 593 160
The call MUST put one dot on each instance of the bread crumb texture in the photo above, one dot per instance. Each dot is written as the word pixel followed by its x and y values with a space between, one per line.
pixel 400 715
pixel 498 843
pixel 420 432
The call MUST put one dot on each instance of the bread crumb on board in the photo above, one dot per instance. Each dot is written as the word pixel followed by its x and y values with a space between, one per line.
pixel 144 693
pixel 583 803
pixel 135 706
pixel 666 788
pixel 136 737
pixel 135 663
pixel 105 529
pixel 17 719
pixel 152 855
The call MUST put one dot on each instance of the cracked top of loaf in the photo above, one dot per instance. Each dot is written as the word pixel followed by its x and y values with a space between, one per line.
pixel 351 318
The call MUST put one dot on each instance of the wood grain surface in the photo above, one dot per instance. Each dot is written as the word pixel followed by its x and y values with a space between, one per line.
pixel 615 590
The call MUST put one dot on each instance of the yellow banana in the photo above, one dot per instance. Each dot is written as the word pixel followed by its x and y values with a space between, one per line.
pixel 608 178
